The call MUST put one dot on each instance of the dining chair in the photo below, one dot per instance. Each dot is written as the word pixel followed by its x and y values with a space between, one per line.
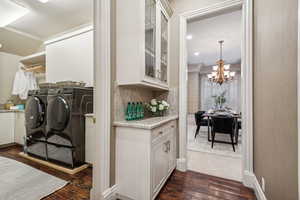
pixel 223 125
pixel 200 121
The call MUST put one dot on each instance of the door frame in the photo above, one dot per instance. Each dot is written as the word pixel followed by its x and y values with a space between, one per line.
pixel 102 100
pixel 298 96
pixel 246 76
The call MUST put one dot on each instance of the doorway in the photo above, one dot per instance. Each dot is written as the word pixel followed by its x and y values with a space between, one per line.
pixel 246 82
pixel 211 40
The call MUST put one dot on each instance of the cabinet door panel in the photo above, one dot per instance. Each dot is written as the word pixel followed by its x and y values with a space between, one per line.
pixel 150 38
pixel 172 150
pixel 164 48
pixel 6 131
pixel 160 164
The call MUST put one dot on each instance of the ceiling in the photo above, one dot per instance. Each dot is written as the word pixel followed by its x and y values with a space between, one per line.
pixel 45 20
pixel 18 44
pixel 205 36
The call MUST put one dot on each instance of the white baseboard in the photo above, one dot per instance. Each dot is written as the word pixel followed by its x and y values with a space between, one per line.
pixel 248 179
pixel 110 193
pixel 181 164
pixel 251 181
pixel 258 190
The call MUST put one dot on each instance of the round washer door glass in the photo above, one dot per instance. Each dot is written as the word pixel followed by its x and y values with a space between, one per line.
pixel 58 114
pixel 35 112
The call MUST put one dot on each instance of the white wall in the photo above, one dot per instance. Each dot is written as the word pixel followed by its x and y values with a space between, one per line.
pixel 71 59
pixel 193 92
pixel 181 6
pixel 8 67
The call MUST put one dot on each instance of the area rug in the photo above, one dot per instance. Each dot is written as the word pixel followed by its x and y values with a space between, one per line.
pixel 22 182
pixel 201 143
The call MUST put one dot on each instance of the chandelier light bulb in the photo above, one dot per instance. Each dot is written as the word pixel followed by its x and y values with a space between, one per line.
pixel 226 67
pixel 232 74
pixel 215 68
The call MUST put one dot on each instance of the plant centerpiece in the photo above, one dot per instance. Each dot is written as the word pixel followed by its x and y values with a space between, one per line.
pixel 157 108
pixel 219 100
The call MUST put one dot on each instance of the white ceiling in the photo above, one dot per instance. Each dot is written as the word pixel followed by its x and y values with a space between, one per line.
pixel 18 44
pixel 47 19
pixel 206 34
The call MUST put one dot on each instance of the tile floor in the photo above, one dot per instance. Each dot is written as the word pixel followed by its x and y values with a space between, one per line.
pixel 220 161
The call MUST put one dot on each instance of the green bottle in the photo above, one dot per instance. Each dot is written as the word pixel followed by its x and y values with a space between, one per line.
pixel 128 112
pixel 138 110
pixel 133 111
pixel 142 110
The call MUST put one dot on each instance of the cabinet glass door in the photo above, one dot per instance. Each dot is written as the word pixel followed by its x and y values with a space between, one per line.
pixel 164 49
pixel 150 38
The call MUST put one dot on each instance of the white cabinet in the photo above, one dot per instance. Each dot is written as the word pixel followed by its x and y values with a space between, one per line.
pixel 20 130
pixel 145 158
pixel 143 43
pixel 160 163
pixel 70 57
pixel 7 124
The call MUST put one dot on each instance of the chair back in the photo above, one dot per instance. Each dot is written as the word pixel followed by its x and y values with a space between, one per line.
pixel 223 124
pixel 199 117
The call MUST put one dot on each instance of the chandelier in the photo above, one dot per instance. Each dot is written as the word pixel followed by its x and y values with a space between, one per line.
pixel 221 71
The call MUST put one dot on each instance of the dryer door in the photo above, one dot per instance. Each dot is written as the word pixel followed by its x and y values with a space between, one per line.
pixel 35 112
pixel 58 113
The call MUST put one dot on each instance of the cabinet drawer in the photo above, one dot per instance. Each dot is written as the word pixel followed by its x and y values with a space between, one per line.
pixel 162 130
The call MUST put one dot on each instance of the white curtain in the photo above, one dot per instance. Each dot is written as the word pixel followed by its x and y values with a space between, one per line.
pixel 232 91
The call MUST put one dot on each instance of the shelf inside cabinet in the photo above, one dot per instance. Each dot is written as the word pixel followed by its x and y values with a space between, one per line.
pixel 34 59
pixel 36 69
pixel 146 85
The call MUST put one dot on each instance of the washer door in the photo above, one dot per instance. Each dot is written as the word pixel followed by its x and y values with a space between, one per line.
pixel 35 112
pixel 58 114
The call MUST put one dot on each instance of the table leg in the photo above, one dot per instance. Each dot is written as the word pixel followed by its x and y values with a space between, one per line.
pixel 208 130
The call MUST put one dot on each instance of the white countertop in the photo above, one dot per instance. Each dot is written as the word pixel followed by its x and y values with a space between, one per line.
pixel 148 123
pixel 89 115
pixel 11 111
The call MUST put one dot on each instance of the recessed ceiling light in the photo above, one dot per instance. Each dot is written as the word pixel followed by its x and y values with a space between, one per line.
pixel 43 1
pixel 10 12
pixel 196 53
pixel 189 37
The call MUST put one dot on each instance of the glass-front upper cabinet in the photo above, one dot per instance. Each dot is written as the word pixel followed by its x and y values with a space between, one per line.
pixel 150 38
pixel 142 43
pixel 163 75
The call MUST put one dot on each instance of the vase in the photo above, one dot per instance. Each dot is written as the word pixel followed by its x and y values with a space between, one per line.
pixel 158 114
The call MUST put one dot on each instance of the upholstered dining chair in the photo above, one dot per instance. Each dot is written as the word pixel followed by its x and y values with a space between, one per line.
pixel 223 125
pixel 200 121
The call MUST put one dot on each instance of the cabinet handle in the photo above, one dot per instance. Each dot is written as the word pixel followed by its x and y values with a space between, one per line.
pixel 160 132
pixel 169 146
pixel 166 147
pixel 172 126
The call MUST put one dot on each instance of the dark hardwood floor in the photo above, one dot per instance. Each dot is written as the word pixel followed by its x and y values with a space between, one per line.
pixel 180 186
pixel 195 186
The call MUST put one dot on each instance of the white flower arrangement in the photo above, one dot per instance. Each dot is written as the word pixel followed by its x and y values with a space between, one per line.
pixel 157 107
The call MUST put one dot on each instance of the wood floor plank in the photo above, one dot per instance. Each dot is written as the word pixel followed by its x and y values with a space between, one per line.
pixel 196 186
pixel 180 186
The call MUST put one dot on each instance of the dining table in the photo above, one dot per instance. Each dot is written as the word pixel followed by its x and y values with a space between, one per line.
pixel 209 115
